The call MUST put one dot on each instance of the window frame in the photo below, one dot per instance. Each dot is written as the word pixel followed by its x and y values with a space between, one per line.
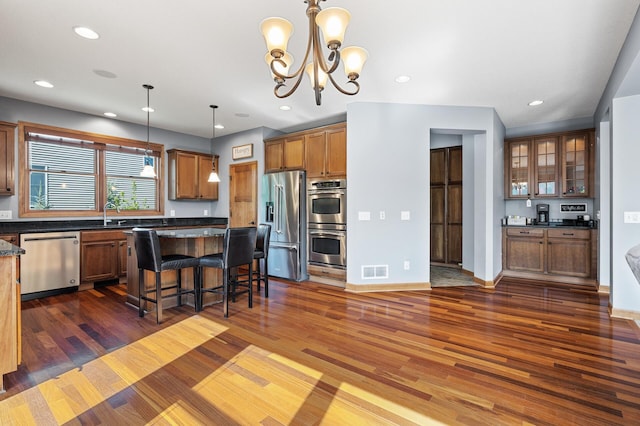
pixel 104 143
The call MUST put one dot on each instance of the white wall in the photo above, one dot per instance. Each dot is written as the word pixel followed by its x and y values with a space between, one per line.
pixel 625 178
pixel 388 165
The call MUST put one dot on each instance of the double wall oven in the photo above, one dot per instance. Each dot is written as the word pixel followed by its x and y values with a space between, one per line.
pixel 327 222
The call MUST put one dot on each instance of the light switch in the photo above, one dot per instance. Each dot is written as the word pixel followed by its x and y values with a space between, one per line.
pixel 383 216
pixel 405 215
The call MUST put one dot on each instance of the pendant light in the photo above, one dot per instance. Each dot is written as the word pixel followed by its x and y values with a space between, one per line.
pixel 148 170
pixel 213 177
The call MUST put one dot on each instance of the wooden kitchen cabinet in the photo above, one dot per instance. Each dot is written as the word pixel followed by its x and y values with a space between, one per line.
pixel 561 254
pixel 103 255
pixel 577 164
pixel 10 311
pixel 524 249
pixel 285 153
pixel 326 152
pixel 550 165
pixel 322 152
pixel 7 150
pixel 569 252
pixel 188 175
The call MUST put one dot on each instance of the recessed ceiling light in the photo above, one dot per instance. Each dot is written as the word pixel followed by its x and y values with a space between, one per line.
pixel 110 114
pixel 105 73
pixel 536 103
pixel 148 109
pixel 285 108
pixel 242 114
pixel 402 78
pixel 219 126
pixel 43 83
pixel 86 33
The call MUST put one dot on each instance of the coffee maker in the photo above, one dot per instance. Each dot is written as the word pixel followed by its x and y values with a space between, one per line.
pixel 542 211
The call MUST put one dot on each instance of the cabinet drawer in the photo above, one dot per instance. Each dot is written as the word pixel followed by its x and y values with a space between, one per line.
pixel 88 236
pixel 525 232
pixel 577 234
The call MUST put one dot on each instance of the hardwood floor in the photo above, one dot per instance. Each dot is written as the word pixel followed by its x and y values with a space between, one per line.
pixel 311 354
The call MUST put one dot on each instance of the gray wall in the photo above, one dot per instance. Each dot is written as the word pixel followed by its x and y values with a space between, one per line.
pixel 617 130
pixel 388 167
pixel 13 110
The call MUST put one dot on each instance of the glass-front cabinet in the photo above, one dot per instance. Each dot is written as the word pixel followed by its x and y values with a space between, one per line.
pixel 575 165
pixel 518 169
pixel 550 165
pixel 546 167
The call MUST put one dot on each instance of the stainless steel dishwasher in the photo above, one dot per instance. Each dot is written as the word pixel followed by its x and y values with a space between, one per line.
pixel 50 265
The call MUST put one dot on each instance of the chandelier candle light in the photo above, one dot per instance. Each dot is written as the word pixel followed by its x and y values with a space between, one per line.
pixel 333 22
pixel 213 177
pixel 148 170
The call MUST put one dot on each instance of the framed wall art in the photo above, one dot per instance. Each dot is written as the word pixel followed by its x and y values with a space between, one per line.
pixel 242 151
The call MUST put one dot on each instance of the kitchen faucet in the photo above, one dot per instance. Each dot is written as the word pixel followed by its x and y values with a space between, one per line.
pixel 104 212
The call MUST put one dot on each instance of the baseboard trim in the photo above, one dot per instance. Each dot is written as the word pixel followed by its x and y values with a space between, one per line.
pixel 372 288
pixel 622 313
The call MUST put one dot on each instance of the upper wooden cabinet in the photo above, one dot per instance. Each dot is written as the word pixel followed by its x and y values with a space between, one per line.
pixel 326 152
pixel 7 150
pixel 188 175
pixel 322 152
pixel 551 165
pixel 285 153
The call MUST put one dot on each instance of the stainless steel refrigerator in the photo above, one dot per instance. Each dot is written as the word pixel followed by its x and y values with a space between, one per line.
pixel 284 208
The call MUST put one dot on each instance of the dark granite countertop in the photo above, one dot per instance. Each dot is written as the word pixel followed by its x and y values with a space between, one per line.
pixel 23 227
pixel 566 223
pixel 8 249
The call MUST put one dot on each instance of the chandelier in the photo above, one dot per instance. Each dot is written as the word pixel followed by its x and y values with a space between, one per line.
pixel 333 22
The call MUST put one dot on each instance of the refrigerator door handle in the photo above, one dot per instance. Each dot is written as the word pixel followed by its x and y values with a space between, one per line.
pixel 277 220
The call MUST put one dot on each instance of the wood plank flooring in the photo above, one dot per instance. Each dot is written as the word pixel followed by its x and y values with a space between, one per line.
pixel 312 354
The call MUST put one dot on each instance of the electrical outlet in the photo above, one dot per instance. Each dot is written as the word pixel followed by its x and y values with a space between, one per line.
pixel 407 265
pixel 631 217
pixel 405 215
pixel 172 213
pixel 5 214
pixel 382 215
pixel 206 212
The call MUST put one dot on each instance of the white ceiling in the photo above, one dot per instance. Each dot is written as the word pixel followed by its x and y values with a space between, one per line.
pixel 496 53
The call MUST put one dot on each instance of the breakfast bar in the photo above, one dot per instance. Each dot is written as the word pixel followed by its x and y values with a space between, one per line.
pixel 195 242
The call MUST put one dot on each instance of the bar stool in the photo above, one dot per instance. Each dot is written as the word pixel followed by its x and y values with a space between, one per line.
pixel 261 253
pixel 239 245
pixel 147 245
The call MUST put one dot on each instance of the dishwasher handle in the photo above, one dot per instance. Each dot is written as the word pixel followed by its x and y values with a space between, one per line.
pixel 64 237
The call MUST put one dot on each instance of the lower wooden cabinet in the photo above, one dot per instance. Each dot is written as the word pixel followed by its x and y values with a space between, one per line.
pixel 554 254
pixel 569 252
pixel 524 249
pixel 103 255
pixel 10 327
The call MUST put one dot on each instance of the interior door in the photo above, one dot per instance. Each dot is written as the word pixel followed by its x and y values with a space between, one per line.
pixel 243 194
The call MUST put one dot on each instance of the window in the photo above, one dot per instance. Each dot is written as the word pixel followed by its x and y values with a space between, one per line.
pixel 72 173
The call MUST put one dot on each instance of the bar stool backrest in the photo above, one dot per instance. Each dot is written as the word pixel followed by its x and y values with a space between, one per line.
pixel 147 246
pixel 239 244
pixel 263 238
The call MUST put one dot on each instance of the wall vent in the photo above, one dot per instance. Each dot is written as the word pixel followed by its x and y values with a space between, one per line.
pixel 372 272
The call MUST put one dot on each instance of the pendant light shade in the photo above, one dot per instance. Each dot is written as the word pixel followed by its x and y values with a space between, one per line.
pixel 148 170
pixel 213 176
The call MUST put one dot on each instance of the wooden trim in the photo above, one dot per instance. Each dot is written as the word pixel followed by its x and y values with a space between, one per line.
pixel 371 288
pixel 339 125
pixel 623 313
pixel 23 172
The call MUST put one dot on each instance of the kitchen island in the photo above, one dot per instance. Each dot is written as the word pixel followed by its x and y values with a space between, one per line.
pixel 10 344
pixel 195 242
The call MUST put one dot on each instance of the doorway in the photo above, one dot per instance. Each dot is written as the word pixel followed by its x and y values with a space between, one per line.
pixel 243 194
pixel 446 206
